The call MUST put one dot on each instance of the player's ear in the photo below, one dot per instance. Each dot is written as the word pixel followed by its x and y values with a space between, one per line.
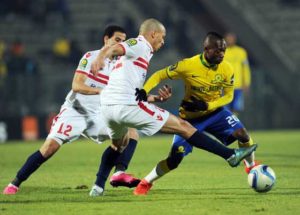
pixel 153 33
pixel 105 39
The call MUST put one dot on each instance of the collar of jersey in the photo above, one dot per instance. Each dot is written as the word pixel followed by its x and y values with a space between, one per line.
pixel 205 63
pixel 148 44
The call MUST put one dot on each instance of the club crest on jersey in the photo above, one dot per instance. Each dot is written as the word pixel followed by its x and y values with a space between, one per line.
pixel 83 63
pixel 218 79
pixel 131 42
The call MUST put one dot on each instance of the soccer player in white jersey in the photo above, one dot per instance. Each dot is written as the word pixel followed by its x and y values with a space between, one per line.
pixel 80 114
pixel 124 104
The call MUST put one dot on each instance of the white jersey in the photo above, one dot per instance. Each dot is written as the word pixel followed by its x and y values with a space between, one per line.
pixel 128 73
pixel 80 114
pixel 89 104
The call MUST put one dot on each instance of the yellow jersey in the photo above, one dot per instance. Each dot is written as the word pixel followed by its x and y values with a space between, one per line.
pixel 212 84
pixel 237 57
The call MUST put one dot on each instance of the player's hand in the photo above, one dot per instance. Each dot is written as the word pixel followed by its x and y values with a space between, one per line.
pixel 140 94
pixel 164 93
pixel 97 65
pixel 199 104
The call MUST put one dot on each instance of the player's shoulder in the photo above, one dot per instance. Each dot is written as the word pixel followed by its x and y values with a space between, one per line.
pixel 187 61
pixel 91 54
pixel 226 66
pixel 87 59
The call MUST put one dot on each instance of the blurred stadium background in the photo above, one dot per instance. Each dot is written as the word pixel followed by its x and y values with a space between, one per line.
pixel 41 42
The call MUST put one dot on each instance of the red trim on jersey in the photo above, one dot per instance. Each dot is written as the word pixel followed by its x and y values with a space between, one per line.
pixel 123 48
pixel 145 108
pixel 140 65
pixel 103 76
pixel 143 60
pixel 117 66
pixel 91 76
pixel 88 55
pixel 82 72
pixel 97 79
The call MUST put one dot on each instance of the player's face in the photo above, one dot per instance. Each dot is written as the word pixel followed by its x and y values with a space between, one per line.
pixel 215 52
pixel 117 37
pixel 158 40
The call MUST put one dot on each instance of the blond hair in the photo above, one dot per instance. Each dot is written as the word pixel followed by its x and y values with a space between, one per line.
pixel 151 25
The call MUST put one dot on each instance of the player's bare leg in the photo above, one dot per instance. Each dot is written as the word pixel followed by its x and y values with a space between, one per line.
pixel 120 177
pixel 33 162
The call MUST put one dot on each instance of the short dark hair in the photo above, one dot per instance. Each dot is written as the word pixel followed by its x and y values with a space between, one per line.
pixel 214 35
pixel 211 38
pixel 111 29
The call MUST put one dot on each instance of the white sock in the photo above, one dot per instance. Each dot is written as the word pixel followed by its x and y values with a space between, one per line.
pixel 155 174
pixel 152 176
pixel 118 173
pixel 249 161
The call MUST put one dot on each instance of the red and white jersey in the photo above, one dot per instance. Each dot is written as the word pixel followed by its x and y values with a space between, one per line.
pixel 128 73
pixel 87 104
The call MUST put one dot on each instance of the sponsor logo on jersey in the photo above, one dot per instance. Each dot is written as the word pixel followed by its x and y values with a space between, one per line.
pixel 83 63
pixel 131 42
pixel 206 89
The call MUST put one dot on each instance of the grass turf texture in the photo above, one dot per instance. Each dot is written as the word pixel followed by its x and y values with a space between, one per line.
pixel 203 184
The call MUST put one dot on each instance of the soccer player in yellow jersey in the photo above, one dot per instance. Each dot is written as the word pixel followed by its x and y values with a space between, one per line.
pixel 209 85
pixel 237 57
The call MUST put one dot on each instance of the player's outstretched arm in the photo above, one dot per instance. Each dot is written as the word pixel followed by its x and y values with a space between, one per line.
pixel 164 94
pixel 106 52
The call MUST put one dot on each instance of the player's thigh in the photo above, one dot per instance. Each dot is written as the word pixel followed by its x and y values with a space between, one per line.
pixel 224 125
pixel 145 117
pixel 97 129
pixel 176 125
pixel 111 114
pixel 67 127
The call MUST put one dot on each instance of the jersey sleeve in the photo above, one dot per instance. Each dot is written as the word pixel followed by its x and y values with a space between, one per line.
pixel 155 79
pixel 172 72
pixel 132 47
pixel 85 62
pixel 176 71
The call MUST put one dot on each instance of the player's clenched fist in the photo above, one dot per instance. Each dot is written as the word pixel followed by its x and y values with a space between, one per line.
pixel 97 65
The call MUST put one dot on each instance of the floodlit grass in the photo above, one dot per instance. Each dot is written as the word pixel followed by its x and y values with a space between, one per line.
pixel 203 184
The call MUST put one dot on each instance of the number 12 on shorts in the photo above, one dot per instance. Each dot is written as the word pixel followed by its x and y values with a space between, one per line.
pixel 65 129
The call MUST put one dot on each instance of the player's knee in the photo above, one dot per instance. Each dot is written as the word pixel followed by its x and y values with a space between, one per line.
pixel 133 134
pixel 241 135
pixel 186 129
pixel 49 148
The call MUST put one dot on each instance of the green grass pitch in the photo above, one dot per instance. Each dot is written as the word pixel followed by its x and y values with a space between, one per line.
pixel 203 184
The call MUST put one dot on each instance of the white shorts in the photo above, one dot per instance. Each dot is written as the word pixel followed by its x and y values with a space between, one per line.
pixel 145 117
pixel 68 125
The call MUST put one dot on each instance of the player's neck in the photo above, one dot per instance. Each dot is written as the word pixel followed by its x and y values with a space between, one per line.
pixel 205 62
